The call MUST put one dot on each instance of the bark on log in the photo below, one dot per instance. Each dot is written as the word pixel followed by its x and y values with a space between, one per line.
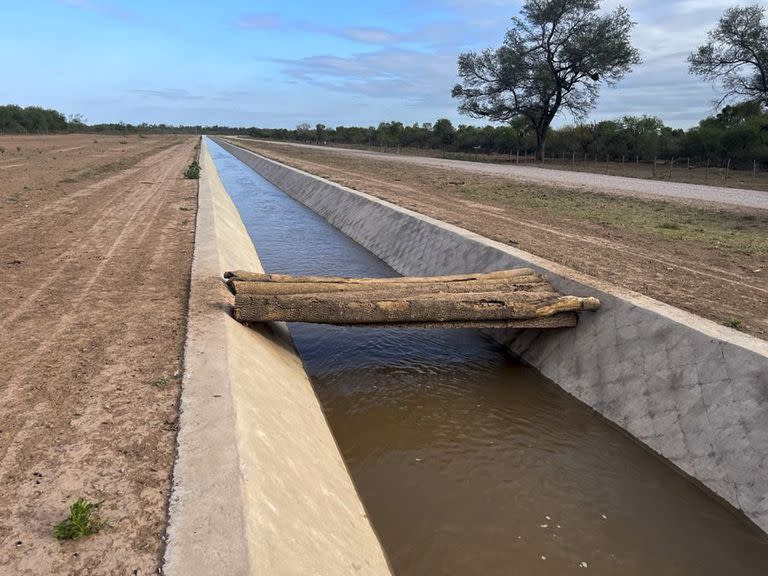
pixel 257 277
pixel 523 283
pixel 382 308
pixel 507 298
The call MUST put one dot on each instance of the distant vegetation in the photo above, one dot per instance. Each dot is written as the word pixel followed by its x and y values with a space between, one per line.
pixel 15 119
pixel 738 133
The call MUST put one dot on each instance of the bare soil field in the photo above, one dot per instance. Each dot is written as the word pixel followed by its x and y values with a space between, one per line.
pixel 711 260
pixel 96 239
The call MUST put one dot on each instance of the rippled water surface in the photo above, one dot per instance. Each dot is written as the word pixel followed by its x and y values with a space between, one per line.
pixel 471 463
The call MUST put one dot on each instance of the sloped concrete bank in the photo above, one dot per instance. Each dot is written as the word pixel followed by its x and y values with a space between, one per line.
pixel 259 484
pixel 691 390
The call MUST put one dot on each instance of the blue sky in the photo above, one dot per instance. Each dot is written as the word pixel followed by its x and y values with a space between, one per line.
pixel 274 63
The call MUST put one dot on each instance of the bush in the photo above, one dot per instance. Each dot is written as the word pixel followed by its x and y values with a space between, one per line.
pixel 80 521
pixel 193 171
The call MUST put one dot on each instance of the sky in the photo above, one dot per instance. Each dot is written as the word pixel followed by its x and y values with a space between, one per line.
pixel 280 63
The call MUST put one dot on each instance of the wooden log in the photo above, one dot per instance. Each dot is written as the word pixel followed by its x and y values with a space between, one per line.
pixel 379 307
pixel 257 277
pixel 534 282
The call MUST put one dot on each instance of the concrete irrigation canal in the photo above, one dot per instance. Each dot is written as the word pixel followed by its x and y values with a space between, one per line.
pixel 447 451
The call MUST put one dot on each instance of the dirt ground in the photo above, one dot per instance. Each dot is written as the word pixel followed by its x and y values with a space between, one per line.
pixel 712 261
pixel 96 239
pixel 748 175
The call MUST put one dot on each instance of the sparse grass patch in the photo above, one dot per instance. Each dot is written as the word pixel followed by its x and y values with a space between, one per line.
pixel 18 148
pixel 2 149
pixel 193 171
pixel 745 233
pixel 67 181
pixel 669 226
pixel 161 382
pixel 734 323
pixel 185 208
pixel 81 521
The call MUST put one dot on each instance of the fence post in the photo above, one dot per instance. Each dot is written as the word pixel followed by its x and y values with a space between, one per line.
pixel 727 168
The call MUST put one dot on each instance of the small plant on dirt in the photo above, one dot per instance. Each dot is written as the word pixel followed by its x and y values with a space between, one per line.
pixel 95 141
pixel 161 382
pixel 2 149
pixel 67 181
pixel 734 323
pixel 18 148
pixel 193 171
pixel 81 521
pixel 123 141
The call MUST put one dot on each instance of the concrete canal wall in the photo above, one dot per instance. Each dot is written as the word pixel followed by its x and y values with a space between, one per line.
pixel 693 391
pixel 259 484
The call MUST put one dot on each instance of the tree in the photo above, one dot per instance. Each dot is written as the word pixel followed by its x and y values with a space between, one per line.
pixel 554 57
pixel 444 132
pixel 320 130
pixel 736 55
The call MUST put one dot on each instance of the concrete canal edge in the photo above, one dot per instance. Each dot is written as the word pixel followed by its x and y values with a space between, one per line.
pixel 259 485
pixel 691 390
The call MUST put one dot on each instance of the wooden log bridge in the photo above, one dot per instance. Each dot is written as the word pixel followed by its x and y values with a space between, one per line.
pixel 519 298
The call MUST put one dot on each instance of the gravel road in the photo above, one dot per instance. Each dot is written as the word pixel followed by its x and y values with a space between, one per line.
pixel 582 180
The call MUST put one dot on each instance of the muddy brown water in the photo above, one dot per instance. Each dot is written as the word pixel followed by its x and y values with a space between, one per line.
pixel 467 460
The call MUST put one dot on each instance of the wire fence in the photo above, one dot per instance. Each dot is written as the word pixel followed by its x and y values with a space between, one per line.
pixel 726 172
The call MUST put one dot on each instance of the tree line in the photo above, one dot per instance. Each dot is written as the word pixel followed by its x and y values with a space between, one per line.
pixel 16 119
pixel 738 132
pixel 32 119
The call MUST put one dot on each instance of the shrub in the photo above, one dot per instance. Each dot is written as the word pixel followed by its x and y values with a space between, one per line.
pixel 193 171
pixel 80 522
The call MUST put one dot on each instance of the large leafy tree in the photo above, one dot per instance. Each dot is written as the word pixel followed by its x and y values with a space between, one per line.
pixel 554 58
pixel 736 55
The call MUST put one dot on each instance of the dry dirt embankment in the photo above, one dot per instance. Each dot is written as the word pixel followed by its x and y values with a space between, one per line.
pixel 96 237
pixel 712 261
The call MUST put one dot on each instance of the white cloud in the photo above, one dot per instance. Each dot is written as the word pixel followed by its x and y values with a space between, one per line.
pixel 261 21
pixel 390 73
pixel 369 35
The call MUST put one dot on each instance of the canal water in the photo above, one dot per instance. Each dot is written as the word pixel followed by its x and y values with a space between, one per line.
pixel 470 462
